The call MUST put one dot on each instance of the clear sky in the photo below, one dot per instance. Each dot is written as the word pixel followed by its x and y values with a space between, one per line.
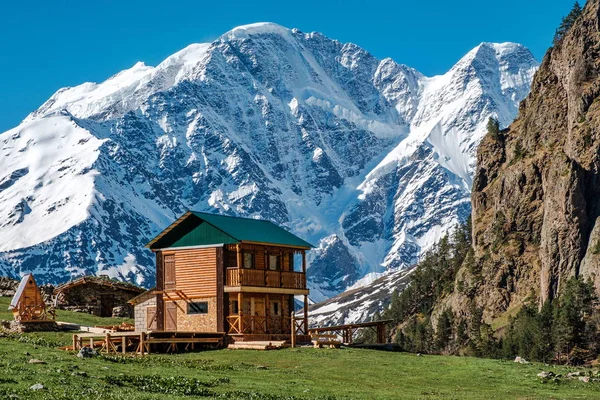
pixel 46 45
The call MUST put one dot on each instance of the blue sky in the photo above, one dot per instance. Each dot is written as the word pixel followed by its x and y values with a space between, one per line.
pixel 46 45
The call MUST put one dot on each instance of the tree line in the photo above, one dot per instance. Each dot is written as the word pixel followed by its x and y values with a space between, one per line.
pixel 563 330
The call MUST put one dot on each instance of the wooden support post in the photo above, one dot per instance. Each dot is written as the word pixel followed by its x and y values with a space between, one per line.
pixel 124 344
pixel 75 343
pixel 293 324
pixel 381 333
pixel 92 342
pixel 282 314
pixel 304 261
pixel 239 256
pixel 306 314
pixel 267 313
pixel 240 313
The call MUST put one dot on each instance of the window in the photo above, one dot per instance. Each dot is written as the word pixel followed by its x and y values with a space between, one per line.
pixel 248 260
pixel 273 262
pixel 235 307
pixel 291 257
pixel 200 307
pixel 297 262
pixel 276 308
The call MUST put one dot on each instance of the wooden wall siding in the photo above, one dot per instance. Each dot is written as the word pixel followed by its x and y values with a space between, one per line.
pixel 197 322
pixel 196 272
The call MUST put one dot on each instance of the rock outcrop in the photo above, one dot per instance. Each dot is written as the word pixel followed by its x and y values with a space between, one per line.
pixel 536 193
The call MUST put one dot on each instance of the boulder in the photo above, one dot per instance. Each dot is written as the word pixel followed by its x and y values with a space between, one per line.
pixel 36 361
pixel 546 374
pixel 37 386
pixel 125 311
pixel 87 352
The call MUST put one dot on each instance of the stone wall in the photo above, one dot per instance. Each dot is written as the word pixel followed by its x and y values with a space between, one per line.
pixel 141 320
pixel 197 322
pixel 88 298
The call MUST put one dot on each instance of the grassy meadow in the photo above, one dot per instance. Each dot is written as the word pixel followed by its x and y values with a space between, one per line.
pixel 302 373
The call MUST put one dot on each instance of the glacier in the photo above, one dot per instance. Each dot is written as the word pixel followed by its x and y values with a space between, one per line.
pixel 368 159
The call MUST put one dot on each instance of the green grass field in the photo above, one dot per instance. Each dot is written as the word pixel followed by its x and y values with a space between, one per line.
pixel 304 373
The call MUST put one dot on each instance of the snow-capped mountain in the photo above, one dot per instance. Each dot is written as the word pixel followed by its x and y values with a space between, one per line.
pixel 368 159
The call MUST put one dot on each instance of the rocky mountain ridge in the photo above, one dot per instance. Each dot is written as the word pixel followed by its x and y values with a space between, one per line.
pixel 536 191
pixel 366 158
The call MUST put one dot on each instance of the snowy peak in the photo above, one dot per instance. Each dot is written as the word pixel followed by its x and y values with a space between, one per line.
pixel 256 29
pixel 367 158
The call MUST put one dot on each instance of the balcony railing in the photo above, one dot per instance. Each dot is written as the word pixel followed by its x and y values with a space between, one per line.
pixel 239 325
pixel 258 324
pixel 266 278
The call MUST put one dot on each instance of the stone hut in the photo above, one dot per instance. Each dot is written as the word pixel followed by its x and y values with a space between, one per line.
pixel 145 310
pixel 99 296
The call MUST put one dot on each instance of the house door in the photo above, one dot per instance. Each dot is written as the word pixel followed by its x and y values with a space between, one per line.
pixel 257 308
pixel 151 322
pixel 107 302
pixel 170 316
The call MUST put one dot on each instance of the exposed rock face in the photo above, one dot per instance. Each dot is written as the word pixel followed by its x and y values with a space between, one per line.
pixel 8 286
pixel 536 193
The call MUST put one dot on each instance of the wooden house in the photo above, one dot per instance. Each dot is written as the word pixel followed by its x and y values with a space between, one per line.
pixel 27 305
pixel 234 275
pixel 97 295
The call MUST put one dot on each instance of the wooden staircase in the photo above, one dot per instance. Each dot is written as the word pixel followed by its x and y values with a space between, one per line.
pixel 259 345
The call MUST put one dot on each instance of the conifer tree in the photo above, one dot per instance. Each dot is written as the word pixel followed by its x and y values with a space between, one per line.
pixel 567 22
pixel 493 128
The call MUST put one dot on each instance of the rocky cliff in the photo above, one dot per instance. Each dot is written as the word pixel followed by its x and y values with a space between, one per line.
pixel 536 192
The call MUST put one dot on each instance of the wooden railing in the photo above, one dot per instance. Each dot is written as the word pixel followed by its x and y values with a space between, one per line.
pixel 258 324
pixel 266 278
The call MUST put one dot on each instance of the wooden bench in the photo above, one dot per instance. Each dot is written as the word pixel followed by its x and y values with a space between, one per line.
pixel 320 340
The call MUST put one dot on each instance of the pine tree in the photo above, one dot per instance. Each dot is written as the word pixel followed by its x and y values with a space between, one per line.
pixel 570 311
pixel 443 333
pixel 567 22
pixel 493 128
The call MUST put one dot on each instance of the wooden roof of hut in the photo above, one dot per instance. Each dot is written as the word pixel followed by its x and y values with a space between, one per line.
pixel 99 280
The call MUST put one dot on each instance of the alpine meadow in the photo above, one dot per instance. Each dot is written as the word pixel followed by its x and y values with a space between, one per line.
pixel 271 213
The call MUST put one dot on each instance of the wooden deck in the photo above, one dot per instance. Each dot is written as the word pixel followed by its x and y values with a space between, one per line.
pixel 147 342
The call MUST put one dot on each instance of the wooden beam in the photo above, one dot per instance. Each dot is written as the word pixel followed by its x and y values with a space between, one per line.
pixel 220 292
pixel 293 333
pixel 306 314
pixel 160 287
pixel 304 262
pixel 261 289
pixel 277 244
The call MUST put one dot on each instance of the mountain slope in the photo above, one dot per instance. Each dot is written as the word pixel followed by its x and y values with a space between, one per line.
pixel 535 194
pixel 367 158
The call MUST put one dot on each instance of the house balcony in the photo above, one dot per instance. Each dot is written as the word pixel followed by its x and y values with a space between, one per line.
pixel 265 281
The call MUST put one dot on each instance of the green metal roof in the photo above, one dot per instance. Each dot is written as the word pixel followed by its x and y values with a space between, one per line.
pixel 198 228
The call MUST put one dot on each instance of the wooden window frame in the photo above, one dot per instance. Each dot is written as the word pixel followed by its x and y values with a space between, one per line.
pixel 279 306
pixel 235 307
pixel 278 262
pixel 173 283
pixel 252 258
pixel 192 304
